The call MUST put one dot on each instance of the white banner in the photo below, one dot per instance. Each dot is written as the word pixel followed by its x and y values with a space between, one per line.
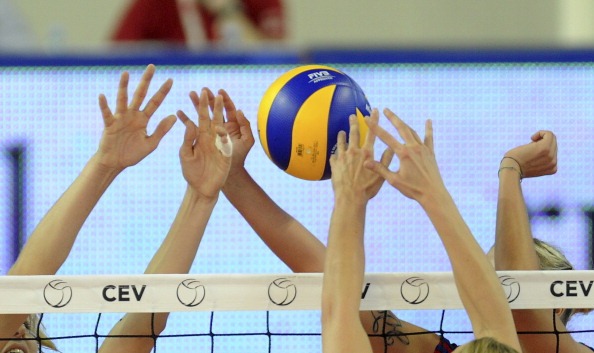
pixel 207 292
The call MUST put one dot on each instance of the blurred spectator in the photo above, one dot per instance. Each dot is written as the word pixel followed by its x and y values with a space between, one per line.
pixel 15 32
pixel 195 23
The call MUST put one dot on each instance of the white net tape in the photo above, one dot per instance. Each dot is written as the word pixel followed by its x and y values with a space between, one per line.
pixel 241 292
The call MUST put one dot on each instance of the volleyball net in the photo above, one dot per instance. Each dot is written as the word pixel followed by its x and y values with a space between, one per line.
pixel 271 312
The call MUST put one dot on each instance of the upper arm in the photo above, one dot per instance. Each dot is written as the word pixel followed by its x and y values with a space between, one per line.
pixel 542 321
pixel 388 333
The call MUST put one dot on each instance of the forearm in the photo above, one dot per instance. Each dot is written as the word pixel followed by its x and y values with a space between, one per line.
pixel 515 250
pixel 134 324
pixel 50 243
pixel 175 255
pixel 514 246
pixel 344 266
pixel 485 303
pixel 178 251
pixel 290 241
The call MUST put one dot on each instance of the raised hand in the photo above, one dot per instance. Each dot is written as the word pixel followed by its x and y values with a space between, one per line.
pixel 347 163
pixel 536 158
pixel 418 174
pixel 204 165
pixel 239 129
pixel 125 141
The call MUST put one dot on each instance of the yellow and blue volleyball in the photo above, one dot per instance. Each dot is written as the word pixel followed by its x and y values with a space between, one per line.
pixel 301 114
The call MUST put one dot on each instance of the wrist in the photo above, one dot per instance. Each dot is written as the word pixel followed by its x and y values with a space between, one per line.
pixel 237 176
pixel 97 167
pixel 193 196
pixel 510 165
pixel 437 199
pixel 104 163
pixel 349 197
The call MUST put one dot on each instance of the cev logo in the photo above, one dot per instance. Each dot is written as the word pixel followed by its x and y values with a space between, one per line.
pixel 571 288
pixel 121 293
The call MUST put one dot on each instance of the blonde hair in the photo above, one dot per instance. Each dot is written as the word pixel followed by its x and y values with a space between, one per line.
pixel 486 345
pixel 552 258
pixel 38 330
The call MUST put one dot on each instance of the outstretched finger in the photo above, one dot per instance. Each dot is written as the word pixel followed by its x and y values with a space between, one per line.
pixel 370 137
pixel 105 111
pixel 244 126
pixel 142 88
pixel 182 116
pixel 189 134
pixel 122 100
pixel 230 110
pixel 414 133
pixel 387 157
pixel 353 132
pixel 218 118
pixel 383 135
pixel 341 145
pixel 195 100
pixel 429 134
pixel 416 136
pixel 158 98
pixel 211 98
pixel 203 112
pixel 407 134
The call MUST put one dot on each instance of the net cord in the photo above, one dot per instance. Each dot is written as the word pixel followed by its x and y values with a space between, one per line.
pixel 209 292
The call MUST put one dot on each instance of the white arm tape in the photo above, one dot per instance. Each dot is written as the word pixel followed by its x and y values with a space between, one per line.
pixel 226 148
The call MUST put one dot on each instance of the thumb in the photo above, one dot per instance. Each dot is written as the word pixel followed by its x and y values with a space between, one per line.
pixel 378 168
pixel 537 136
pixel 162 129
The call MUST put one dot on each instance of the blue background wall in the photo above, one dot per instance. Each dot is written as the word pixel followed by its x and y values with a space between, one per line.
pixel 481 103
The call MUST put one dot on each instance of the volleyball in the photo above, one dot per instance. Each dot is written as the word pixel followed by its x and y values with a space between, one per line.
pixel 300 115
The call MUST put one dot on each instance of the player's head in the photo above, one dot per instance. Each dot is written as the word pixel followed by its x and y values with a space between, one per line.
pixel 31 328
pixel 35 324
pixel 485 345
pixel 551 258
